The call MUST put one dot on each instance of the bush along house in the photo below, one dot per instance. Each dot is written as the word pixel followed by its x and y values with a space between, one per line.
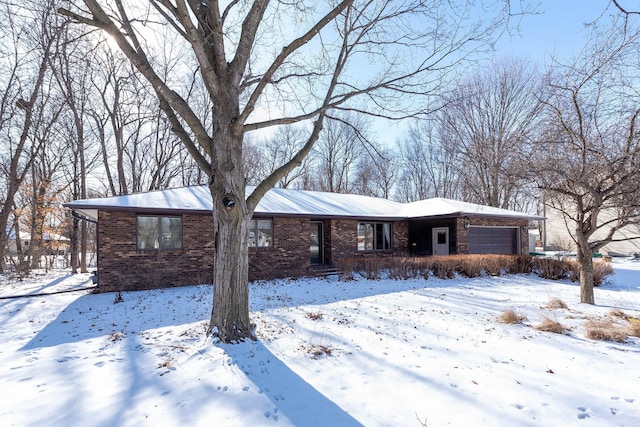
pixel 164 238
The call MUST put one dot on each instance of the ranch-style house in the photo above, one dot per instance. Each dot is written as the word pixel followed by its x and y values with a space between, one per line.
pixel 164 238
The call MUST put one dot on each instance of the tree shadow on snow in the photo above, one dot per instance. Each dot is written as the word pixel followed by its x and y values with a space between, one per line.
pixel 293 398
pixel 101 315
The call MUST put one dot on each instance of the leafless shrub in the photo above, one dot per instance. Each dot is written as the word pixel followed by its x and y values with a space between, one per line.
pixel 510 317
pixel 471 266
pixel 522 264
pixel 317 350
pixel 601 270
pixel 568 269
pixel 444 267
pixel 556 303
pixel 495 265
pixel 118 298
pixel 115 336
pixel 553 269
pixel 549 325
pixel 314 316
pixel 605 330
pixel 618 313
pixel 633 330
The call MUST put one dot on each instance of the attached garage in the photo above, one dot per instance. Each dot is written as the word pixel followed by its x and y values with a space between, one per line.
pixel 493 240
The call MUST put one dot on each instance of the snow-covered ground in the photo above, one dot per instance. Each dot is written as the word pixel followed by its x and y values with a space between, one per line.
pixel 373 353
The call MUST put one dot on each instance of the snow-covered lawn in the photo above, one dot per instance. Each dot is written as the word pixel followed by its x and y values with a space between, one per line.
pixel 373 353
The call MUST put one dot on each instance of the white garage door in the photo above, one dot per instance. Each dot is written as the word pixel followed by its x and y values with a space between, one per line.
pixel 493 240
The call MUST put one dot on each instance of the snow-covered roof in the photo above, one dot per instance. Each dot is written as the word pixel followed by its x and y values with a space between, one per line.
pixel 280 201
pixel 439 206
pixel 46 236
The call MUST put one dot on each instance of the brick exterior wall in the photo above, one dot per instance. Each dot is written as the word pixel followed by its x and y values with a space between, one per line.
pixel 344 239
pixel 288 257
pixel 122 267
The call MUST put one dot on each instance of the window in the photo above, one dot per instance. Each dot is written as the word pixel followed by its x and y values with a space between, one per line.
pixel 260 233
pixel 159 232
pixel 374 236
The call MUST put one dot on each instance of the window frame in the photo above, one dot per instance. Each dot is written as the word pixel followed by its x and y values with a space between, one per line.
pixel 373 236
pixel 254 227
pixel 160 233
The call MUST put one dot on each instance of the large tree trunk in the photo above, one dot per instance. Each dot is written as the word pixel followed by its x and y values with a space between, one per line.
pixel 231 216
pixel 584 257
pixel 230 314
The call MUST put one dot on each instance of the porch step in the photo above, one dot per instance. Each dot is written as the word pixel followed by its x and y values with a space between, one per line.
pixel 324 271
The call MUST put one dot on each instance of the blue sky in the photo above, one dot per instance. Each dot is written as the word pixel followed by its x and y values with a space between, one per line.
pixel 558 29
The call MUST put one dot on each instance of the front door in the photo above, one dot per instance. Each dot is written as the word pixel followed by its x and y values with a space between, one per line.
pixel 316 243
pixel 441 241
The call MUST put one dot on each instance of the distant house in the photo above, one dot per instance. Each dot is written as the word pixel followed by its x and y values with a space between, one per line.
pixel 164 238
pixel 558 235
pixel 54 244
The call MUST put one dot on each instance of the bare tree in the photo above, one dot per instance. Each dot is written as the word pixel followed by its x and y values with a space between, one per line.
pixel 32 34
pixel 73 71
pixel 263 158
pixel 487 122
pixel 119 119
pixel 428 167
pixel 588 161
pixel 376 172
pixel 50 152
pixel 277 63
pixel 336 153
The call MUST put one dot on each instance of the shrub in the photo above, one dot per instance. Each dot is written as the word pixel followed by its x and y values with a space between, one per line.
pixel 510 317
pixel 317 350
pixel 522 264
pixel 549 325
pixel 601 270
pixel 554 269
pixel 444 267
pixel 605 330
pixel 556 303
pixel 618 313
pixel 314 316
pixel 470 266
pixel 634 328
pixel 557 269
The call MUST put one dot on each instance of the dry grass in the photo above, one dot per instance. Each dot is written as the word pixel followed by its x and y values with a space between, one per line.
pixel 549 325
pixel 618 314
pixel 510 317
pixel 605 330
pixel 633 330
pixel 317 350
pixel 633 326
pixel 314 316
pixel 556 303
pixel 115 336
